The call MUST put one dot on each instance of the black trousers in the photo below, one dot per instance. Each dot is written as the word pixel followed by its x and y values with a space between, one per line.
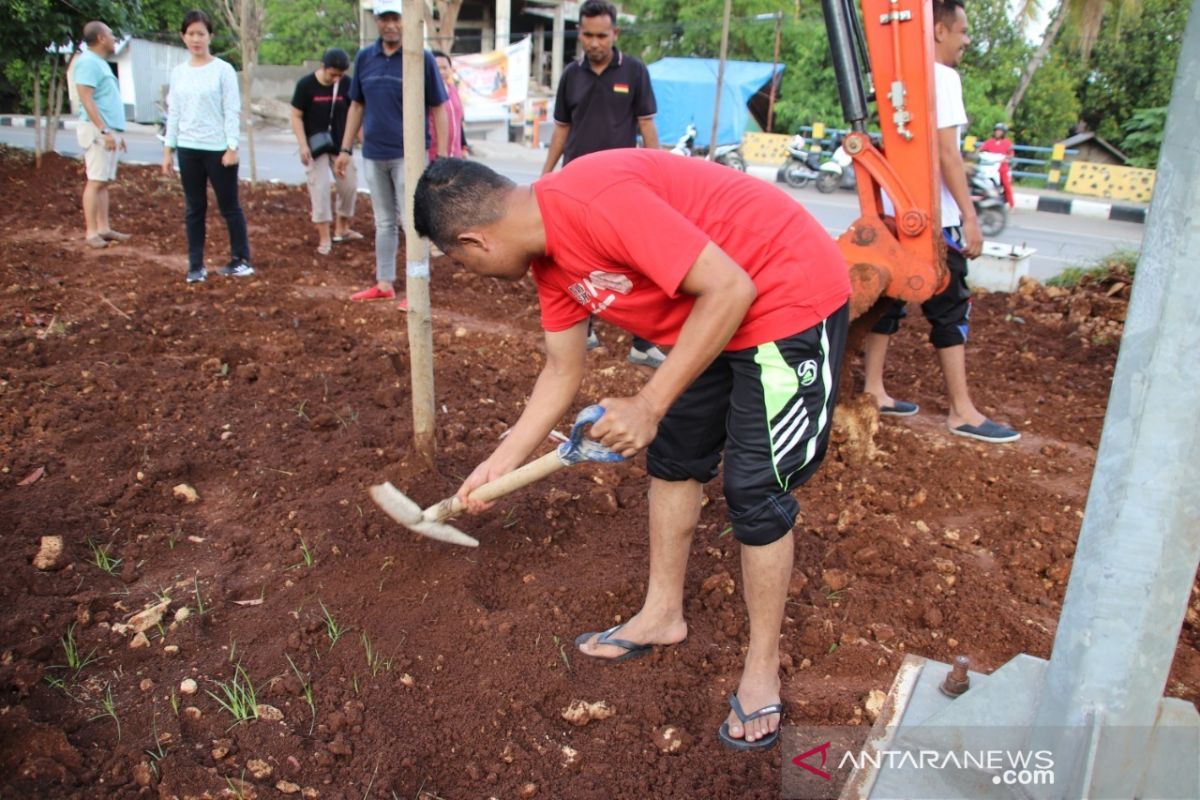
pixel 197 169
pixel 949 311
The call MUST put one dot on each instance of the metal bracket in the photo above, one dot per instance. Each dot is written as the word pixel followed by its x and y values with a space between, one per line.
pixel 895 16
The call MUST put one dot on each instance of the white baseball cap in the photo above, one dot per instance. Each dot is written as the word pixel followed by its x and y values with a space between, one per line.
pixel 382 7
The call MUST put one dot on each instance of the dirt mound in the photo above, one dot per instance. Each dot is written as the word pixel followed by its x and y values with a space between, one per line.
pixel 381 662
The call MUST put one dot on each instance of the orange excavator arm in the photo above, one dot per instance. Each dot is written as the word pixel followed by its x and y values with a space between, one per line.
pixel 890 56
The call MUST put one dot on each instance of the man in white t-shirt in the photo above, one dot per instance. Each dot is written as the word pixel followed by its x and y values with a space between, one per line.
pixel 949 311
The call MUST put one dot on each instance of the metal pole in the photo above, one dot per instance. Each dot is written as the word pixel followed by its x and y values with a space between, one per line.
pixel 712 142
pixel 1140 542
pixel 503 23
pixel 774 65
pixel 416 252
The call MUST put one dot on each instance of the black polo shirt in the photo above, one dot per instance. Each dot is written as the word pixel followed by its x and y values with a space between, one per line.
pixel 603 110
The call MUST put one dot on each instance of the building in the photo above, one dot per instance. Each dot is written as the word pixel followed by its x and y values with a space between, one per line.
pixel 143 70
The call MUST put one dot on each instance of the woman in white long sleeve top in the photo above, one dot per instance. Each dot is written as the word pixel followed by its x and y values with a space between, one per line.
pixel 203 109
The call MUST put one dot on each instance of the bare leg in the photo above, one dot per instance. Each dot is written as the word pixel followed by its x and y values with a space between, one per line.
pixel 323 235
pixel 341 225
pixel 674 512
pixel 102 209
pixel 954 367
pixel 874 355
pixel 91 201
pixel 766 572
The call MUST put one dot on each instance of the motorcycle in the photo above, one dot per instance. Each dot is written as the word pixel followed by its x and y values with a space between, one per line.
pixel 801 167
pixel 686 143
pixel 988 200
pixel 731 156
pixel 837 171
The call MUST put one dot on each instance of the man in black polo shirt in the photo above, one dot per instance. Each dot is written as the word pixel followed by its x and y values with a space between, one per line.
pixel 604 101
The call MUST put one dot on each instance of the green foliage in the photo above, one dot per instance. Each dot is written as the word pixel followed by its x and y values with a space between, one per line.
pixel 807 91
pixel 1119 264
pixel 1144 136
pixel 301 30
pixel 1132 67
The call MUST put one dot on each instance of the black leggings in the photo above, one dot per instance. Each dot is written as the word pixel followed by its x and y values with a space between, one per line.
pixel 198 168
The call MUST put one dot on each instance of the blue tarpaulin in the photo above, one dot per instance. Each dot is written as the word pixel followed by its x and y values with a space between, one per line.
pixel 685 89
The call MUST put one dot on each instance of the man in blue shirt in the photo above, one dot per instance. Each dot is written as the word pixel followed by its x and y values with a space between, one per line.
pixel 101 119
pixel 377 106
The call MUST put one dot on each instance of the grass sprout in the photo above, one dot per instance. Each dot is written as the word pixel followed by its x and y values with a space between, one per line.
pixel 102 559
pixel 75 660
pixel 333 628
pixel 307 689
pixel 108 708
pixel 238 697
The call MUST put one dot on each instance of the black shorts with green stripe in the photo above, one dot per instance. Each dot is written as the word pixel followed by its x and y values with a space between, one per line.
pixel 770 408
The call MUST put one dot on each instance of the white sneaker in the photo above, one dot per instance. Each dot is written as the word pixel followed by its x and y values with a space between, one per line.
pixel 650 357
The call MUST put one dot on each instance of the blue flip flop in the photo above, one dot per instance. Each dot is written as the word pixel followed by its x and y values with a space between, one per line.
pixel 987 431
pixel 741 744
pixel 899 408
pixel 632 649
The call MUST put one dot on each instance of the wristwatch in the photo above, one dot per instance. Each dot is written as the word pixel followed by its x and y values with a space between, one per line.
pixel 348 150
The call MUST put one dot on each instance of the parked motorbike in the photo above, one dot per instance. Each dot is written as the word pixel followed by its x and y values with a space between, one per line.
pixel 989 203
pixel 731 156
pixel 802 166
pixel 837 171
pixel 686 143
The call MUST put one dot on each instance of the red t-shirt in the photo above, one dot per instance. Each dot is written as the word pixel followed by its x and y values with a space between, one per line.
pixel 623 227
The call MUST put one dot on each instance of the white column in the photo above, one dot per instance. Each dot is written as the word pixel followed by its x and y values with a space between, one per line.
pixel 503 23
pixel 556 47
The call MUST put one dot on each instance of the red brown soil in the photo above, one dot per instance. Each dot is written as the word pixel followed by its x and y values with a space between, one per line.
pixel 280 402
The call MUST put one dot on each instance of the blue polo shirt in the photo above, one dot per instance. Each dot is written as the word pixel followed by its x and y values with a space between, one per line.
pixel 378 84
pixel 92 70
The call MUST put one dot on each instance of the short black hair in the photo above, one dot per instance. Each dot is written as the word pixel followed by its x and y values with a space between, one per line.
pixel 455 195
pixel 598 8
pixel 944 11
pixel 194 16
pixel 442 54
pixel 93 31
pixel 337 58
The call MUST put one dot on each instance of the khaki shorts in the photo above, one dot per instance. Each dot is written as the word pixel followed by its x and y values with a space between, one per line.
pixel 101 164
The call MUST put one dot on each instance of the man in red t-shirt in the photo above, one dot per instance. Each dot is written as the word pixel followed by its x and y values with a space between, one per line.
pixel 752 294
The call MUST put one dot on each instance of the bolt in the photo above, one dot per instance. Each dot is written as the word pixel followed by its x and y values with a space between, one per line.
pixel 957 681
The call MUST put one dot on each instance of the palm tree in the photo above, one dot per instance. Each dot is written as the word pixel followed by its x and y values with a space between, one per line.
pixel 1087 16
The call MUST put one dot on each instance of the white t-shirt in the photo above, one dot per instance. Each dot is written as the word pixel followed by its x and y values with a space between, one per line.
pixel 951 113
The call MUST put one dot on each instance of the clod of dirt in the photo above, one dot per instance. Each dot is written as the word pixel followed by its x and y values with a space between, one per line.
pixel 146 685
pixel 148 618
pixel 139 640
pixel 672 740
pixel 171 650
pixel 269 713
pixel 581 712
pixel 529 790
pixel 796 584
pixel 182 613
pixel 882 632
pixel 287 787
pixel 142 775
pixel 855 423
pixel 836 579
pixel 570 756
pixel 221 748
pixel 259 768
pixel 193 713
pixel 188 686
pixel 50 555
pixel 239 789
pixel 185 493
pixel 874 703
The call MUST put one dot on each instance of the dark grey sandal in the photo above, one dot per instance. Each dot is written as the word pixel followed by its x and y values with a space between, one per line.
pixel 742 744
pixel 632 649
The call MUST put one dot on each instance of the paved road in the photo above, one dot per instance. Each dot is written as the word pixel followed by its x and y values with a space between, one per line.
pixel 1061 240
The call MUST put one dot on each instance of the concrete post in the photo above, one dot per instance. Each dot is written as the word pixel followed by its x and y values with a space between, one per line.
pixel 556 46
pixel 503 23
pixel 1140 542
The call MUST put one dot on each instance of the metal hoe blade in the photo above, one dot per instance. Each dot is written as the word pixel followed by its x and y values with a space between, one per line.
pixel 399 507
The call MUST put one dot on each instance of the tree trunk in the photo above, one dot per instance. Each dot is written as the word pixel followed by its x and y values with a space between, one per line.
pixel 249 53
pixel 58 82
pixel 37 116
pixel 1056 22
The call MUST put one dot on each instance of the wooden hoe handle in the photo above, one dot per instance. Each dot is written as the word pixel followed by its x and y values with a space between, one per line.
pixel 494 490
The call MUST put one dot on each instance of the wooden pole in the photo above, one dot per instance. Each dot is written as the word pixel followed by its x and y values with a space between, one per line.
pixel 416 252
pixel 712 142
pixel 774 66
